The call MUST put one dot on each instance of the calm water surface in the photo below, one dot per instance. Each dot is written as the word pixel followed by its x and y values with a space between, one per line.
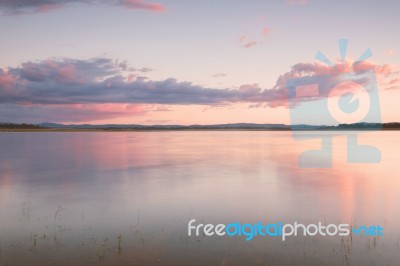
pixel 125 198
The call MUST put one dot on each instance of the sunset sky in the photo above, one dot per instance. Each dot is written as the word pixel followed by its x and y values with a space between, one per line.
pixel 183 61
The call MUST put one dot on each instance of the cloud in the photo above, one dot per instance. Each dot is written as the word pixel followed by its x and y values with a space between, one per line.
pixel 248 43
pixel 256 105
pixel 389 52
pixel 68 113
pixel 245 43
pixel 140 4
pixel 18 7
pixel 67 71
pixel 219 75
pixel 100 88
pixel 157 108
pixel 98 80
pixel 297 2
pixel 265 32
pixel 393 84
pixel 158 121
pixel 329 77
pixel 144 69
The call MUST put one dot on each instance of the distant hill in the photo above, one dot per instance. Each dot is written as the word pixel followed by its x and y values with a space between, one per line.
pixel 18 126
pixel 358 126
pixel 233 126
pixel 364 126
pixel 135 126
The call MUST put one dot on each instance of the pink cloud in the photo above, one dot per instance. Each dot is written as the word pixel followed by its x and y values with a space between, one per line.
pixel 387 69
pixel 249 44
pixel 265 32
pixel 384 73
pixel 243 42
pixel 278 94
pixel 6 83
pixel 72 113
pixel 140 4
pixel 389 52
pixel 393 84
pixel 48 7
pixel 67 74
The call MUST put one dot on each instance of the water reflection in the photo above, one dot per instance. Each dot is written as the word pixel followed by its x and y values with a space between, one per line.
pixel 72 197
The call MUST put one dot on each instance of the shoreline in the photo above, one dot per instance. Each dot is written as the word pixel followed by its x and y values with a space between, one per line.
pixel 5 130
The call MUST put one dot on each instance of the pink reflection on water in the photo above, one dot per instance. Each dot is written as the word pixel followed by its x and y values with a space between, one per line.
pixel 5 182
pixel 154 181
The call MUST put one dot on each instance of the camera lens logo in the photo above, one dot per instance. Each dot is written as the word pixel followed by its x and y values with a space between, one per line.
pixel 345 94
pixel 348 102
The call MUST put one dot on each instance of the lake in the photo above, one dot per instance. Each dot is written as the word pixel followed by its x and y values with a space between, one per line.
pixel 125 198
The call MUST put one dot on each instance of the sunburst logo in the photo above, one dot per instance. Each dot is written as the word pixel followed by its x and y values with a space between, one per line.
pixel 348 101
pixel 339 93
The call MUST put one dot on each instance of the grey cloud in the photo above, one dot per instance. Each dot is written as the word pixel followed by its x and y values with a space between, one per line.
pixel 102 80
pixel 17 7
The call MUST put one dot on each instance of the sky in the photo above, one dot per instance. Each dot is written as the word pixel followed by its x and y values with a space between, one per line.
pixel 189 62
